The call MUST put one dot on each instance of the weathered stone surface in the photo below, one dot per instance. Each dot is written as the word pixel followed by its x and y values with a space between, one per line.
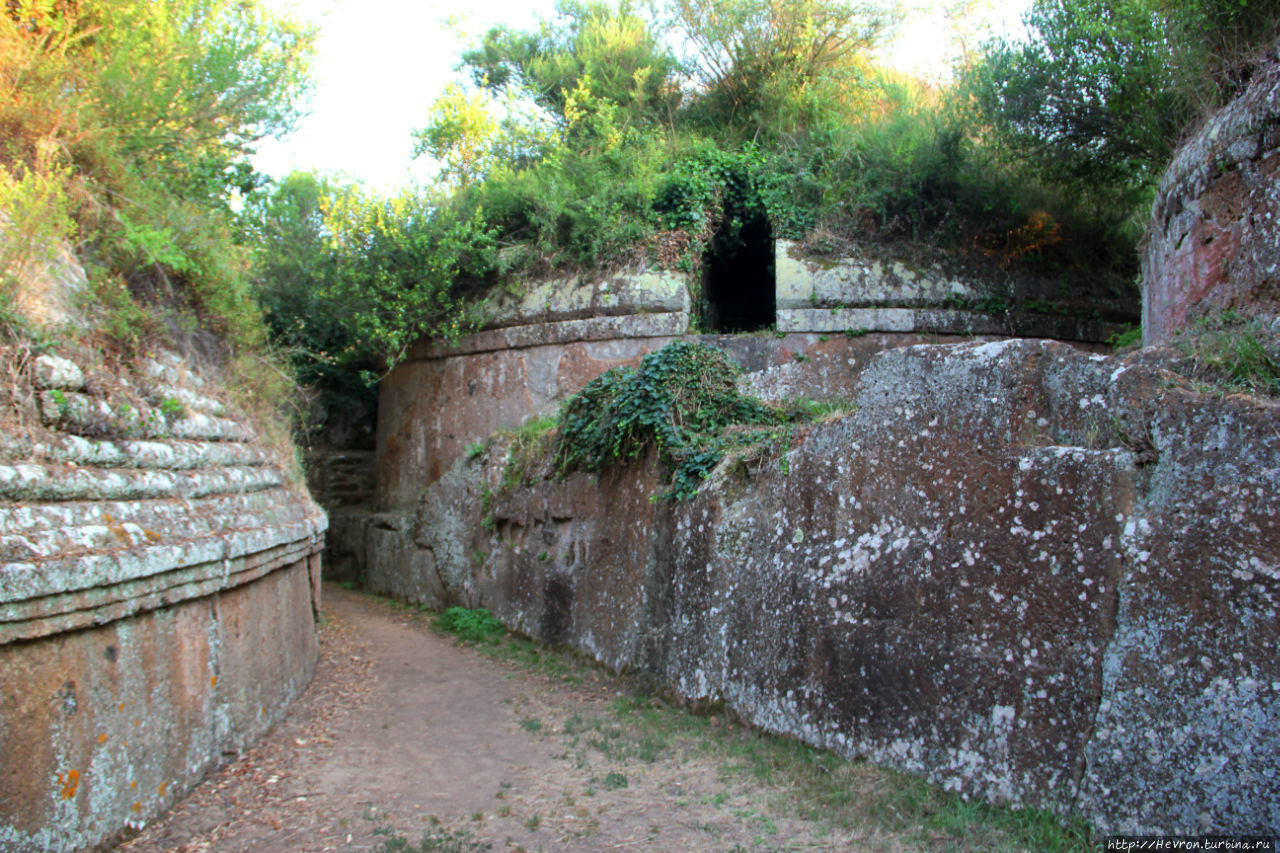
pixel 878 293
pixel 55 372
pixel 1214 240
pixel 625 293
pixel 1028 573
pixel 58 483
pixel 174 455
pixel 560 332
pixel 105 728
pixel 85 414
pixel 1191 679
pixel 948 321
pixel 141 581
pixel 431 409
pixel 805 283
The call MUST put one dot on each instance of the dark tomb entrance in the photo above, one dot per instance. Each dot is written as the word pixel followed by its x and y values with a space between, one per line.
pixel 738 287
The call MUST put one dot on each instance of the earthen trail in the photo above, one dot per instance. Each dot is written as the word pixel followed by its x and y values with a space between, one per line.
pixel 402 728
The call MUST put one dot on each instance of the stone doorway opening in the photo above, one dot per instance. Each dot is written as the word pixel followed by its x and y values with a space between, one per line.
pixel 738 279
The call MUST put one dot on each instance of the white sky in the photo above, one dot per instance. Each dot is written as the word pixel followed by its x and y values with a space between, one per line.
pixel 380 64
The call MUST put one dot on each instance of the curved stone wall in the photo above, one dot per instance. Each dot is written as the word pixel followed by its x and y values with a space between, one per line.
pixel 1214 240
pixel 545 343
pixel 158 584
pixel 1030 574
pixel 874 291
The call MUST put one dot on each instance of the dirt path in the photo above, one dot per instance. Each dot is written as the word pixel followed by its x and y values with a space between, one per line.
pixel 402 728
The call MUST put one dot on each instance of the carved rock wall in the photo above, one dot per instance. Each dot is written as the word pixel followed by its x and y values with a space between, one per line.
pixel 1214 240
pixel 876 290
pixel 1027 573
pixel 158 585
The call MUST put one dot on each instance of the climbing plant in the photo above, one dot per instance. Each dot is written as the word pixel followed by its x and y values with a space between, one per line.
pixel 680 402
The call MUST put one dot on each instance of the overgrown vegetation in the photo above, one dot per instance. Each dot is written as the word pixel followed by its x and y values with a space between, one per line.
pixel 611 134
pixel 470 626
pixel 1232 352
pixel 680 403
pixel 125 131
pixel 621 133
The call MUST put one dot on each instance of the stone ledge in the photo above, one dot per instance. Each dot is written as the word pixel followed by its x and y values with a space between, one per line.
pixel 83 414
pixel 129 453
pixel 1237 134
pixel 45 588
pixel 58 612
pixel 28 482
pixel 155 513
pixel 564 332
pixel 52 371
pixel 43 532
pixel 572 298
pixel 945 321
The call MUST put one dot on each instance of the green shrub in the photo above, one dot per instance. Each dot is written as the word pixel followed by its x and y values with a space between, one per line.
pixel 678 402
pixel 470 626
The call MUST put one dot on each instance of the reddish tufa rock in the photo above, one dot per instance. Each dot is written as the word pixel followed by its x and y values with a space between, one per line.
pixel 1029 574
pixel 1214 240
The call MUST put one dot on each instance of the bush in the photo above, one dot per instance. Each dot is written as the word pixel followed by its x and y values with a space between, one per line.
pixel 678 402
pixel 470 626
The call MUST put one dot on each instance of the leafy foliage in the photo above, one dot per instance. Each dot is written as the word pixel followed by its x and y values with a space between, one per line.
pixel 1103 90
pixel 770 68
pixel 679 402
pixel 470 626
pixel 592 51
pixel 128 127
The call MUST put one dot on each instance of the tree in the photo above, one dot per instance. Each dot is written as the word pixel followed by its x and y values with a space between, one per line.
pixel 612 50
pixel 459 134
pixel 1091 97
pixel 1104 89
pixel 758 60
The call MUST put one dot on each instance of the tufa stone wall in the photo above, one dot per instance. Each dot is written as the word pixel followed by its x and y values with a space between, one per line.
pixel 1027 573
pixel 158 585
pixel 1214 239
pixel 541 346
pixel 875 289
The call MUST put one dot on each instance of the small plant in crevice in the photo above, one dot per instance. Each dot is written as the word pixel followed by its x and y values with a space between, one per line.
pixel 1233 352
pixel 172 409
pixel 470 626
pixel 1128 338
pixel 526 444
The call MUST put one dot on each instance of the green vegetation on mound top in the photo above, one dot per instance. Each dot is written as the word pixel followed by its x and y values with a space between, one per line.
pixel 608 135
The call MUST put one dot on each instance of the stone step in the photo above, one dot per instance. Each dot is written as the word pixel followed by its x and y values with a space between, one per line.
pixel 33 589
pixel 154 513
pixel 33 482
pixel 130 453
pixel 82 414
pixel 43 531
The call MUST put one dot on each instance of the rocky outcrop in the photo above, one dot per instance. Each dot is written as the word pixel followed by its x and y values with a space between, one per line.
pixel 158 586
pixel 1214 240
pixel 1030 574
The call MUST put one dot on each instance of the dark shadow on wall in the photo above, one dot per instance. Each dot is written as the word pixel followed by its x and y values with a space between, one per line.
pixel 738 285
